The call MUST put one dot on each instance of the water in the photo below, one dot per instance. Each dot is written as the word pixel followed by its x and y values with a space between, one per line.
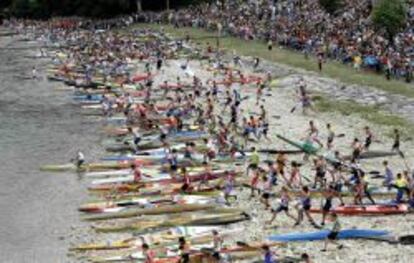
pixel 38 125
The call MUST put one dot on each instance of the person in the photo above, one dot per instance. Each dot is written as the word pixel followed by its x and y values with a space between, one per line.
pixel 329 194
pixel 295 176
pixel 313 133
pixel 254 160
pixel 184 248
pixel 320 168
pixel 396 144
pixel 228 186
pixel 357 149
pixel 136 136
pixel 333 234
pixel 283 206
pixel 186 187
pixel 172 159
pixel 369 136
pixel 389 175
pixel 206 175
pixel 330 138
pixel 361 188
pixel 217 241
pixel 34 73
pixel 266 189
pixel 270 45
pixel 80 159
pixel 401 184
pixel 269 256
pixel 305 258
pixel 320 60
pixel 305 206
pixel 148 253
pixel 254 181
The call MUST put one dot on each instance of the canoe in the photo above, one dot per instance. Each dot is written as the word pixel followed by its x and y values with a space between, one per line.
pixel 322 235
pixel 372 210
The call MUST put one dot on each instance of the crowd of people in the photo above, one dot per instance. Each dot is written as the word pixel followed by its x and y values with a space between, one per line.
pixel 349 36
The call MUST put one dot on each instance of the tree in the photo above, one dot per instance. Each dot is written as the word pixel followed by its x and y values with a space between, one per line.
pixel 331 6
pixel 390 15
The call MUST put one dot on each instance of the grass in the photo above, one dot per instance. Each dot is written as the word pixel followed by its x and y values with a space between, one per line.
pixel 373 114
pixel 332 69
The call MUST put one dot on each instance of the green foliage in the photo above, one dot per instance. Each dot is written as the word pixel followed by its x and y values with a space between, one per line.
pixel 390 15
pixel 331 6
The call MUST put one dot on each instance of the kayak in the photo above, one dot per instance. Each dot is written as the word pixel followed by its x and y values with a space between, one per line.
pixel 100 206
pixel 211 219
pixel 360 210
pixel 322 235
pixel 93 166
pixel 167 209
pixel 167 181
pixel 305 147
pixel 160 239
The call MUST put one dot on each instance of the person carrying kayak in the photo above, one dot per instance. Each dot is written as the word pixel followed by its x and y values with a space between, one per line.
pixel 148 253
pixel 295 179
pixel 305 258
pixel 396 144
pixel 401 184
pixel 184 249
pixel 79 160
pixel 330 193
pixel 333 234
pixel 172 159
pixel 304 207
pixel 283 206
pixel 330 138
pixel 269 256
pixel 369 137
pixel 186 187
pixel 389 175
pixel 254 160
pixel 228 186
pixel 206 175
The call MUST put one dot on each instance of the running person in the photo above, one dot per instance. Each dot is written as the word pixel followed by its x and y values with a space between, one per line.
pixel 283 206
pixel 333 234
pixel 305 206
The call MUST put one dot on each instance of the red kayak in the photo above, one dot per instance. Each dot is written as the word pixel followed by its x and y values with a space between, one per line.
pixel 138 78
pixel 368 210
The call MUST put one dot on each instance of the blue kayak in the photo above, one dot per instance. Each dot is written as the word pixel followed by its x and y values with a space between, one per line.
pixel 93 97
pixel 323 234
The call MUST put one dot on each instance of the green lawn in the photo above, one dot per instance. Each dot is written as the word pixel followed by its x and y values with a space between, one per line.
pixel 331 69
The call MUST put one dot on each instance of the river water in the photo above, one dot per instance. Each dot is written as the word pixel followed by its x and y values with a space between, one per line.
pixel 39 124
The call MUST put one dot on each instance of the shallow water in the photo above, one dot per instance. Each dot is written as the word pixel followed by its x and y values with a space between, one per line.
pixel 38 125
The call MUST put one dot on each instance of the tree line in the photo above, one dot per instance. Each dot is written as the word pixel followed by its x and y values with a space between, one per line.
pixel 43 9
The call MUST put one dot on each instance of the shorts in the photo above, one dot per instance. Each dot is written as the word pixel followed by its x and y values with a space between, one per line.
pixel 280 209
pixel 327 206
pixel 173 167
pixel 333 235
pixel 266 195
pixel 306 207
pixel 253 166
pixel 79 163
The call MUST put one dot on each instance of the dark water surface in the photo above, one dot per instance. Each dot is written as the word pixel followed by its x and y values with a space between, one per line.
pixel 38 125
